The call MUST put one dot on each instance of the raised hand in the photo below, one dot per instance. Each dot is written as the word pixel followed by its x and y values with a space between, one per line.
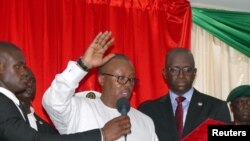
pixel 94 55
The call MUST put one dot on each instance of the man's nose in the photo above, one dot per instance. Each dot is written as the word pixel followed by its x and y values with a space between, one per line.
pixel 129 83
pixel 181 73
pixel 24 72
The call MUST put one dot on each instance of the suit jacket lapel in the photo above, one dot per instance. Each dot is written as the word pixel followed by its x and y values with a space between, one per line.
pixel 169 117
pixel 194 113
pixel 14 105
pixel 39 123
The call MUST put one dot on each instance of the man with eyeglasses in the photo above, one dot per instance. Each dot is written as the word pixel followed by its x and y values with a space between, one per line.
pixel 116 76
pixel 183 108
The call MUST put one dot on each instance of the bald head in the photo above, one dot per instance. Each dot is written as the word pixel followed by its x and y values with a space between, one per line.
pixel 176 51
pixel 7 50
pixel 117 56
pixel 8 47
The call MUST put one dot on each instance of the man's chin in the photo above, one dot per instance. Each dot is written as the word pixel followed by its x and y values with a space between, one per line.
pixel 180 91
pixel 20 91
pixel 125 96
pixel 24 99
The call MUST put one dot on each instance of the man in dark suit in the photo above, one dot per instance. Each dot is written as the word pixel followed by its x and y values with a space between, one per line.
pixel 14 124
pixel 26 98
pixel 196 107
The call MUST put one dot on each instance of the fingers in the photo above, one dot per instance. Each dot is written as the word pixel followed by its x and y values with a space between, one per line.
pixel 116 128
pixel 97 38
pixel 103 39
pixel 109 43
pixel 94 55
pixel 124 121
pixel 108 57
pixel 124 124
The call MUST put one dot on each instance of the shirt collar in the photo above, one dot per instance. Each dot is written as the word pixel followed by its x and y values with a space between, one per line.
pixel 10 95
pixel 187 95
pixel 32 110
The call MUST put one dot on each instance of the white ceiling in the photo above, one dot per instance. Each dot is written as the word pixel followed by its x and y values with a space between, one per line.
pixel 232 5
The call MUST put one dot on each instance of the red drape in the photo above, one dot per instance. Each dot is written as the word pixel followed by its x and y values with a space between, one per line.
pixel 52 32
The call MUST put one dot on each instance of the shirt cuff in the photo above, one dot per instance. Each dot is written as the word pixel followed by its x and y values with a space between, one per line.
pixel 73 73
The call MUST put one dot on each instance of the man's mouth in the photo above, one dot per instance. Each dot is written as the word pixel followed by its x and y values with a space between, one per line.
pixel 125 93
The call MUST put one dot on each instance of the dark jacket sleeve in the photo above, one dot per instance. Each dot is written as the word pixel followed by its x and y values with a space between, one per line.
pixel 43 126
pixel 223 113
pixel 14 128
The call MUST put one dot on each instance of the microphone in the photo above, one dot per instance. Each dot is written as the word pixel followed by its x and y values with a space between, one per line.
pixel 123 106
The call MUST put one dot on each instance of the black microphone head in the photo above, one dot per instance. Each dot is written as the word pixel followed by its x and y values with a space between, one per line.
pixel 123 105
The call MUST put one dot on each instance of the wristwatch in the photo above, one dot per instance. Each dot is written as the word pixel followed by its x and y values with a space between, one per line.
pixel 81 64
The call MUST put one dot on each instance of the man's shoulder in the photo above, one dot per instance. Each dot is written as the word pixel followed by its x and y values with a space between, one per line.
pixel 89 94
pixel 140 115
pixel 154 101
pixel 87 99
pixel 152 104
pixel 4 100
pixel 207 97
pixel 3 97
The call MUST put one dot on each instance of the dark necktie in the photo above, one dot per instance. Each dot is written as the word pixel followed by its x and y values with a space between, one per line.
pixel 24 113
pixel 179 115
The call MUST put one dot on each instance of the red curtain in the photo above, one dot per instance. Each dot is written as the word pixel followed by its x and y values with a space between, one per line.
pixel 52 32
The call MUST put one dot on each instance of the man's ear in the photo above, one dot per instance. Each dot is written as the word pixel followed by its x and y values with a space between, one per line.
pixel 164 73
pixel 195 71
pixel 1 67
pixel 1 70
pixel 101 80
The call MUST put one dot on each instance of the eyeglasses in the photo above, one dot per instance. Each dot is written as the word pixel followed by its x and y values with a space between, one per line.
pixel 185 70
pixel 123 79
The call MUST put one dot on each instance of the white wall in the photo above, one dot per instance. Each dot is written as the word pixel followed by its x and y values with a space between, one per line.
pixel 232 5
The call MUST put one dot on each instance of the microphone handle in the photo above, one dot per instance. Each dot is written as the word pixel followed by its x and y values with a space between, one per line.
pixel 125 136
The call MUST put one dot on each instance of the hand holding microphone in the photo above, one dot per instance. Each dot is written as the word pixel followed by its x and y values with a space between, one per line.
pixel 116 128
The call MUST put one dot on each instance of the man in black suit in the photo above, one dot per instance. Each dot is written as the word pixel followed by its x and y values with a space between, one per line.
pixel 179 73
pixel 13 122
pixel 26 99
